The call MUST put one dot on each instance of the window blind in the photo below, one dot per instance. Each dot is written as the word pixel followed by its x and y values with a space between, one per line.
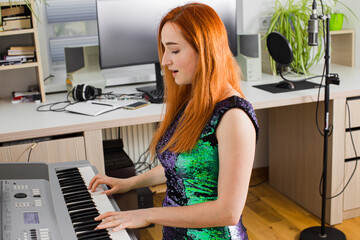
pixel 70 10
pixel 71 23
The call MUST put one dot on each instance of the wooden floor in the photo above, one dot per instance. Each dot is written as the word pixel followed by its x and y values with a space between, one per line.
pixel 270 215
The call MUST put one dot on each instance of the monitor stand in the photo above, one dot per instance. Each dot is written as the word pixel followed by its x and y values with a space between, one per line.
pixel 155 94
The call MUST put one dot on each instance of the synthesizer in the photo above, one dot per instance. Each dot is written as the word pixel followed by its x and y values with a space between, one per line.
pixel 40 201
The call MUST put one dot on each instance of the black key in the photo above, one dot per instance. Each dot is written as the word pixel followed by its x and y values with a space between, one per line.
pixel 84 212
pixel 67 170
pixel 74 190
pixel 77 199
pixel 83 194
pixel 97 238
pixel 83 218
pixel 73 185
pixel 80 206
pixel 92 234
pixel 87 201
pixel 86 227
pixel 71 180
pixel 68 174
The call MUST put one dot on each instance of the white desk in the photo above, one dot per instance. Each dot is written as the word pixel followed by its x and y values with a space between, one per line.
pixel 22 121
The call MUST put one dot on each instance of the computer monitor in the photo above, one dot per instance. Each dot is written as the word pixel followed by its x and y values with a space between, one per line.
pixel 128 30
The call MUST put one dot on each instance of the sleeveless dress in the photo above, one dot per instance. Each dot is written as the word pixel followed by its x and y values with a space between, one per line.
pixel 193 177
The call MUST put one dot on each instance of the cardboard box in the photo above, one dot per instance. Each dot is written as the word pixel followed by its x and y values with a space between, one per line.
pixel 14 10
pixel 17 24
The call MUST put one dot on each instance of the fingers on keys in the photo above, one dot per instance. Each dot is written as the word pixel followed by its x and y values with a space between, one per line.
pixel 109 220
pixel 95 182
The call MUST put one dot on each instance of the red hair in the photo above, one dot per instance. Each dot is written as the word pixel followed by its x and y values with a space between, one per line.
pixel 216 71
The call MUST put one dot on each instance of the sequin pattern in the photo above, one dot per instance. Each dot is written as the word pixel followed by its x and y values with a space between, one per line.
pixel 192 177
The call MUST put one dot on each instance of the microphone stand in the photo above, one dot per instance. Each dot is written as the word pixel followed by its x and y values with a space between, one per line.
pixel 323 232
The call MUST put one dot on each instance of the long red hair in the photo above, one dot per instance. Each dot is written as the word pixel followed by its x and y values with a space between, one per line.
pixel 216 71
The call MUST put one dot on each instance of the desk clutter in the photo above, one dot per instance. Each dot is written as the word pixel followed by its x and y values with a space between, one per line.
pixel 106 102
pixel 95 108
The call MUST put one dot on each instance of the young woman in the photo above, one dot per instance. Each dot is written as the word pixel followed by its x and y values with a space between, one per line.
pixel 206 142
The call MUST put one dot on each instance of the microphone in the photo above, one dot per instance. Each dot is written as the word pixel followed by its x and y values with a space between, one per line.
pixel 313 27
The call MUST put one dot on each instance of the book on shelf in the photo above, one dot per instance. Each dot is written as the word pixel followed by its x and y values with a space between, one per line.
pixel 22 94
pixel 20 97
pixel 18 57
pixel 14 23
pixel 16 18
pixel 6 62
pixel 11 60
pixel 20 52
pixel 28 48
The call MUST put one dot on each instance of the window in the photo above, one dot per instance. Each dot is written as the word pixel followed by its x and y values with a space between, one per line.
pixel 70 24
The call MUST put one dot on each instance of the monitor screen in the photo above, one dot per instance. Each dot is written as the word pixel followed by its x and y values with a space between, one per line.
pixel 128 28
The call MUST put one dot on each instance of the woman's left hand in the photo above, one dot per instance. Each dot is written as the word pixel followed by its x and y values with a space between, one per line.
pixel 122 220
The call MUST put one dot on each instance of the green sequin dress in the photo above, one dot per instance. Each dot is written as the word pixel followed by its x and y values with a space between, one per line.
pixel 193 177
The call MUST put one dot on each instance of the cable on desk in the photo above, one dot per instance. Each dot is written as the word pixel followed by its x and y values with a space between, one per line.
pixel 50 106
pixel 356 161
pixel 53 107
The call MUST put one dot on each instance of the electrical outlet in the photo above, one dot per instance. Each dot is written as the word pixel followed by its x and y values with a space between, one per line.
pixel 264 23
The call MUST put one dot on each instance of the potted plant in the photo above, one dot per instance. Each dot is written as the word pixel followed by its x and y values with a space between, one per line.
pixel 337 17
pixel 291 20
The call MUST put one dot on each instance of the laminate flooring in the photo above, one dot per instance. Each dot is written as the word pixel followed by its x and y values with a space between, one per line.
pixel 269 215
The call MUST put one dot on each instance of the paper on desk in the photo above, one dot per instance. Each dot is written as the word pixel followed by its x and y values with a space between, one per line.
pixel 95 108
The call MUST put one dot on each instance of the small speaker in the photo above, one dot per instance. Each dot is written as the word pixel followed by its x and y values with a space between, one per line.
pixel 249 56
pixel 83 92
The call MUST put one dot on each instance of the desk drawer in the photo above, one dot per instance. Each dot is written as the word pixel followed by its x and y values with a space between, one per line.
pixel 59 150
pixel 354 106
pixel 351 193
pixel 349 149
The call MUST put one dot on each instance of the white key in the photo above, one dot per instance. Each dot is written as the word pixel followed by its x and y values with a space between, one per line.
pixel 102 202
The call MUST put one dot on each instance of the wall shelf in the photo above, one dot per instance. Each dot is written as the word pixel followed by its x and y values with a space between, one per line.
pixel 20 38
pixel 343 47
pixel 19 66
pixel 17 32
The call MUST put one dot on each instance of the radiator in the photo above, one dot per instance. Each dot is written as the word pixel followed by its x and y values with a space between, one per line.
pixel 136 139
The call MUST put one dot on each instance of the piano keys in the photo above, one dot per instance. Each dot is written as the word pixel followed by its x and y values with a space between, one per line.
pixel 51 201
pixel 84 205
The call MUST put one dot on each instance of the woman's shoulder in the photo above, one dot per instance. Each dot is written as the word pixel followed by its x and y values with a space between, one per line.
pixel 235 102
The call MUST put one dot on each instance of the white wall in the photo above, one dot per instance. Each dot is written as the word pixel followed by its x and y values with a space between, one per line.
pixel 250 12
pixel 354 24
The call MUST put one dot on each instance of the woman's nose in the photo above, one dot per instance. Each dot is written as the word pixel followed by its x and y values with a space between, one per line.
pixel 165 61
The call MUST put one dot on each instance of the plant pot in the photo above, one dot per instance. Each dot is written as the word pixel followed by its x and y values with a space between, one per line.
pixel 336 21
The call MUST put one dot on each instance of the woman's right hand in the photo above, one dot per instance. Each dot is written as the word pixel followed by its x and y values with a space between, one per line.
pixel 117 185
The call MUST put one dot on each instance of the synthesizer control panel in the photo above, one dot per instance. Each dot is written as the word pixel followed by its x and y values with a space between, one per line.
pixel 27 210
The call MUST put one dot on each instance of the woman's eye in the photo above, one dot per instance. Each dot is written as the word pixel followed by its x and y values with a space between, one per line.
pixel 176 51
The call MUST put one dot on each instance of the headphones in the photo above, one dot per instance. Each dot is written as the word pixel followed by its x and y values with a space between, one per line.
pixel 83 92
